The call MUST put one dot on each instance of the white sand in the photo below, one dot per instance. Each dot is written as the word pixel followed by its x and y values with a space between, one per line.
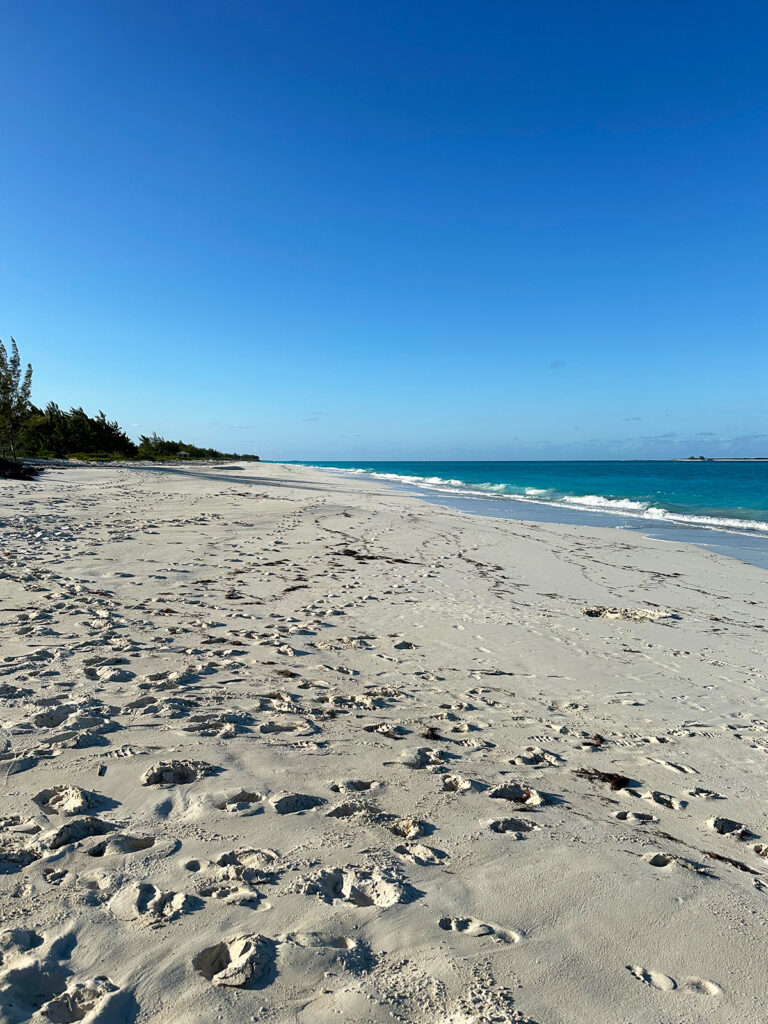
pixel 381 715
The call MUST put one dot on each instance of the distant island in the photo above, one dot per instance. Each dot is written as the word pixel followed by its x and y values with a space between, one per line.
pixel 708 458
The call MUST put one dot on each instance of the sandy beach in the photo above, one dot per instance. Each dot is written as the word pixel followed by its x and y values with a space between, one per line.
pixel 280 746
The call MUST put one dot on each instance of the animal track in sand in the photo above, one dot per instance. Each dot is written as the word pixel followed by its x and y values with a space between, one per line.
pixel 477 929
pixel 177 773
pixel 240 962
pixel 293 803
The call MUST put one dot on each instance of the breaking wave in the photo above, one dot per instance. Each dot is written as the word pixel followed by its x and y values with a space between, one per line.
pixel 539 495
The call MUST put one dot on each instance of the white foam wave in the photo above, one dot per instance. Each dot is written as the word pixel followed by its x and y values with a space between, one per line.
pixel 586 502
pixel 598 501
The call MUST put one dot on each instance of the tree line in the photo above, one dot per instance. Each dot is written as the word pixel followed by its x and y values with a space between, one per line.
pixel 31 432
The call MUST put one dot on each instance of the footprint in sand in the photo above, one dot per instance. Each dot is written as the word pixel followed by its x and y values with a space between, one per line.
pixel 515 828
pixel 669 861
pixel 145 903
pixel 518 794
pixel 241 802
pixel 71 832
pixel 477 929
pixel 121 843
pixel 354 786
pixel 294 803
pixel 347 810
pixel 362 887
pixel 408 828
pixel 700 987
pixel 234 876
pixel 66 800
pixel 422 757
pixel 663 983
pixel 42 991
pixel 421 855
pixel 732 829
pixel 240 962
pixel 663 799
pixel 16 942
pixel 635 816
pixel 537 757
pixel 310 951
pixel 458 784
pixel 177 773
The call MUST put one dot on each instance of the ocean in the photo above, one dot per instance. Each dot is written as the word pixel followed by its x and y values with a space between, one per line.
pixel 719 505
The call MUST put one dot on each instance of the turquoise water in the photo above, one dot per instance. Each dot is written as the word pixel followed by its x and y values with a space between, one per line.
pixel 729 496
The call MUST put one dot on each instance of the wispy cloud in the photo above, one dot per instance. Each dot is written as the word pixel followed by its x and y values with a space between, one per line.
pixel 556 364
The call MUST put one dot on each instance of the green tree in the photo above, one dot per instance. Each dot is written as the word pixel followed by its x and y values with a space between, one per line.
pixel 14 397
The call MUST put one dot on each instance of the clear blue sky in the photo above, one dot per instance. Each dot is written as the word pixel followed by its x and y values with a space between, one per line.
pixel 390 229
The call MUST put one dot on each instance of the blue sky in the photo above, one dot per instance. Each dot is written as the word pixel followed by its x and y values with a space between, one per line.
pixel 387 229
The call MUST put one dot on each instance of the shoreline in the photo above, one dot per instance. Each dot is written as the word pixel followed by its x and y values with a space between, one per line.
pixel 436 767
pixel 749 545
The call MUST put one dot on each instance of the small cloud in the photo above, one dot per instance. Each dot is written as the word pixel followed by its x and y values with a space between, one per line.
pixel 243 426
pixel 556 364
pixel 632 419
